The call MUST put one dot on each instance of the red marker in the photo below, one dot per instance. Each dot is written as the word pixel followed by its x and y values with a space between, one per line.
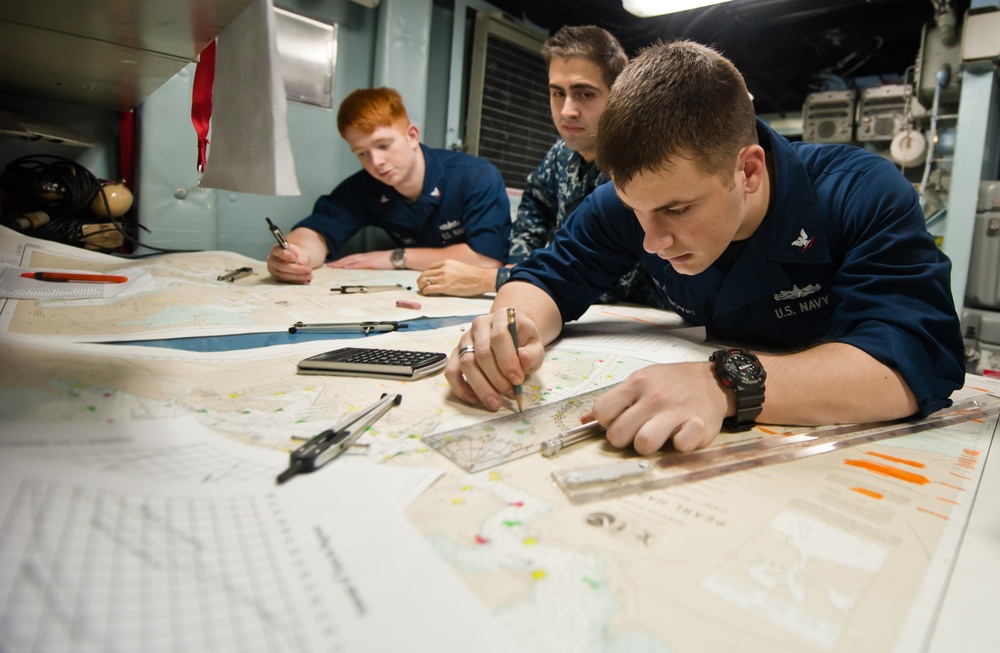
pixel 73 276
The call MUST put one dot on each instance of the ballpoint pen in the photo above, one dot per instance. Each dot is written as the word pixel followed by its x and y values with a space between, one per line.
pixel 348 327
pixel 512 327
pixel 348 290
pixel 329 444
pixel 278 236
pixel 74 276
pixel 572 436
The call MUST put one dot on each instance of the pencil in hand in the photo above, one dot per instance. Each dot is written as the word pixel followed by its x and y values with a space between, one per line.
pixel 512 327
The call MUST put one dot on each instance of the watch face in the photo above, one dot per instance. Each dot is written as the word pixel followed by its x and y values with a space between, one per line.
pixel 743 367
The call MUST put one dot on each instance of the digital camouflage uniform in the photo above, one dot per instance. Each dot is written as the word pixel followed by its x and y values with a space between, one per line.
pixel 555 188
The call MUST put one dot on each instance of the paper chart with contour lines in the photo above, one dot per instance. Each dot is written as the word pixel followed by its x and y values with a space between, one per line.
pixel 186 299
pixel 841 552
pixel 257 398
pixel 113 562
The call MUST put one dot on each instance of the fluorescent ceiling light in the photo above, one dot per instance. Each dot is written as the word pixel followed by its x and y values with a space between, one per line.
pixel 646 8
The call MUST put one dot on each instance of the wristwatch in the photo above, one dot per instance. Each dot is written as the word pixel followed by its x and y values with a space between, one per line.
pixel 502 275
pixel 741 372
pixel 398 258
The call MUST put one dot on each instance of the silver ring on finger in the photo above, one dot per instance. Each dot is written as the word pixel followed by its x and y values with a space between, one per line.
pixel 468 349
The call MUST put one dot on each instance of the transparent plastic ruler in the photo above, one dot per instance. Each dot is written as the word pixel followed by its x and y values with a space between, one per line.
pixel 673 468
pixel 496 441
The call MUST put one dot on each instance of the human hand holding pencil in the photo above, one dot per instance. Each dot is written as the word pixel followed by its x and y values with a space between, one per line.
pixel 493 357
pixel 292 259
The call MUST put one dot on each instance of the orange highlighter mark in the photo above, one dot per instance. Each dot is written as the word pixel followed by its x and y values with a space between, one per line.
pixel 868 493
pixel 886 470
pixel 931 512
pixel 901 461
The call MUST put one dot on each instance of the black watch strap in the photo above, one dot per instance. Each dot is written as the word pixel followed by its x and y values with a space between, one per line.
pixel 746 381
pixel 502 275
pixel 748 407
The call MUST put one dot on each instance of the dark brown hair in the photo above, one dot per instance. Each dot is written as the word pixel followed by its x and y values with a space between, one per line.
pixel 588 42
pixel 676 99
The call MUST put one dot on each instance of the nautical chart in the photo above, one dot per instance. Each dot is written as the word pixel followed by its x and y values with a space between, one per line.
pixel 184 298
pixel 842 552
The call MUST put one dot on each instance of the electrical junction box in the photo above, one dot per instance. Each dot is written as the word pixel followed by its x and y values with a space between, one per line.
pixel 882 112
pixel 982 289
pixel 979 37
pixel 981 333
pixel 828 117
pixel 939 50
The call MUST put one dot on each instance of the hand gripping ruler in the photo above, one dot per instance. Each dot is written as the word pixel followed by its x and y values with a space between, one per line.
pixel 496 441
pixel 631 475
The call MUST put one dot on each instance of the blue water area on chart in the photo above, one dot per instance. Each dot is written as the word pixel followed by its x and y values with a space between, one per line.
pixel 254 340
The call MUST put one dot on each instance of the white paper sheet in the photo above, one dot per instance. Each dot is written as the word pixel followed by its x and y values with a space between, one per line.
pixel 125 561
pixel 14 286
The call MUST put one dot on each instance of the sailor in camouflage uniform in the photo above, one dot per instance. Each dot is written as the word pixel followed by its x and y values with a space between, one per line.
pixel 583 63
pixel 555 188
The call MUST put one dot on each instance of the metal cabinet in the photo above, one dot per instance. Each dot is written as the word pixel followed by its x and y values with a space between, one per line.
pixel 103 53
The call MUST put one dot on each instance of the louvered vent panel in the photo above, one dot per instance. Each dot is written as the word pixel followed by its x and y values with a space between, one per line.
pixel 516 128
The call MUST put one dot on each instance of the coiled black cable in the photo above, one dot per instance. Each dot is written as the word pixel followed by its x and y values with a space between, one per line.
pixel 64 190
pixel 56 185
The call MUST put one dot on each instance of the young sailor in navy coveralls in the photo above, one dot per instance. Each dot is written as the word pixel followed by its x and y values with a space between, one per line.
pixel 818 253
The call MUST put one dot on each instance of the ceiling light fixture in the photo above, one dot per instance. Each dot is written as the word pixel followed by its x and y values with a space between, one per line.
pixel 647 8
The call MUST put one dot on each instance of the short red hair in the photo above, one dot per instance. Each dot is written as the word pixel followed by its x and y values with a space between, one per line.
pixel 367 109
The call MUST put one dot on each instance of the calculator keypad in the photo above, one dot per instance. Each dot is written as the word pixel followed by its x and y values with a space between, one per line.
pixel 383 356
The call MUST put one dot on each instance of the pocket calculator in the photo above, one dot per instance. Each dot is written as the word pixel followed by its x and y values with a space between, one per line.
pixel 381 363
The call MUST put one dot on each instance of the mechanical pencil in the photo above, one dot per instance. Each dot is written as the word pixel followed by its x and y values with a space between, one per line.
pixel 278 236
pixel 73 276
pixel 512 327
